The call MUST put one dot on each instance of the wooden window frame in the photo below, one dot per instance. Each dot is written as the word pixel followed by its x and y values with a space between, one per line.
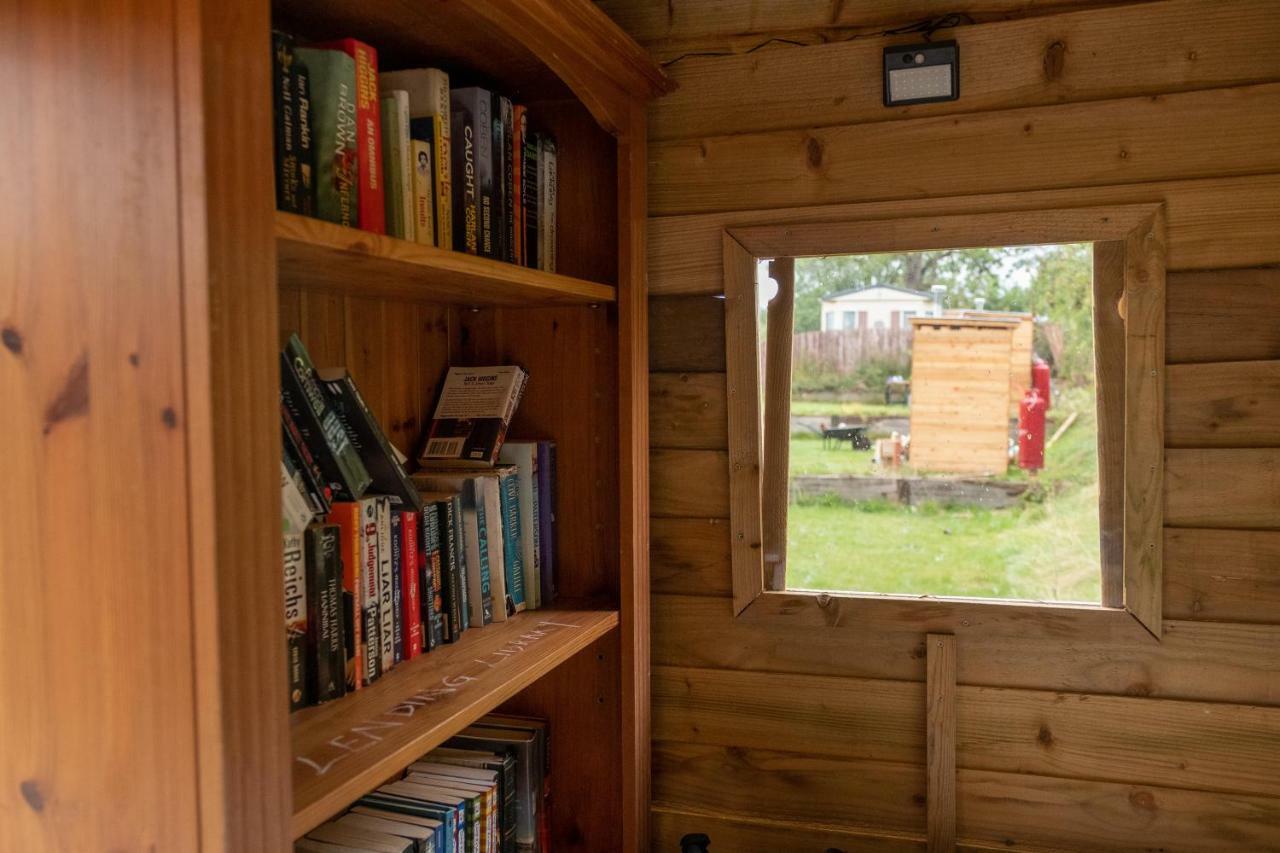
pixel 1129 306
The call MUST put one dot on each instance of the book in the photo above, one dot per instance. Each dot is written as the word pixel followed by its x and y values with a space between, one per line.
pixel 345 515
pixel 478 802
pixel 483 779
pixel 295 617
pixel 371 194
pixel 284 95
pixel 529 197
pixel 508 488
pixel 296 509
pixel 435 827
pixel 453 564
pixel 411 570
pixel 421 192
pixel 407 804
pixel 396 607
pixel 472 415
pixel 375 516
pixel 430 554
pixel 324 613
pixel 519 127
pixel 469 119
pixel 547 495
pixel 455 805
pixel 295 447
pixel 333 122
pixel 529 770
pixel 501 118
pixel 418 835
pixel 372 447
pixel 548 183
pixel 302 474
pixel 428 90
pixel 397 164
pixel 319 425
pixel 481 529
pixel 360 839
pixel 523 455
pixel 504 765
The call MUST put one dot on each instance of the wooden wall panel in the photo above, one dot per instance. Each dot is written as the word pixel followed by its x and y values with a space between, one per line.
pixel 687 334
pixel 1223 404
pixel 1031 62
pixel 689 483
pixel 688 410
pixel 1220 575
pixel 749 833
pixel 1224 315
pixel 1223 488
pixel 690 556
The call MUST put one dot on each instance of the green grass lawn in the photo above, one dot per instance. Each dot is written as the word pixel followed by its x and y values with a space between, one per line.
pixel 850 408
pixel 1044 548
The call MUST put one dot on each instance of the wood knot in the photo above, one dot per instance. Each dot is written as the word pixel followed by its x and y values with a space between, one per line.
pixel 1045 737
pixel 169 417
pixel 31 793
pixel 1055 57
pixel 73 398
pixel 1124 153
pixel 813 152
pixel 12 340
pixel 1143 800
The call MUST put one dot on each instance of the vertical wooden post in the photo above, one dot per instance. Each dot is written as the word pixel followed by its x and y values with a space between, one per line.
pixel 940 691
pixel 1109 354
pixel 777 422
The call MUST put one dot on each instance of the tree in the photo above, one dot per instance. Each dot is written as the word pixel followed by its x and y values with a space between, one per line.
pixel 1061 295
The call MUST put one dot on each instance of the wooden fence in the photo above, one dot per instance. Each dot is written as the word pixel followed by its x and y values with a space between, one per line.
pixel 843 350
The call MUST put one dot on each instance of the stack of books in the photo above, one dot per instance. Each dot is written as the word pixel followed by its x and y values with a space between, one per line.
pixel 403 154
pixel 484 791
pixel 377 572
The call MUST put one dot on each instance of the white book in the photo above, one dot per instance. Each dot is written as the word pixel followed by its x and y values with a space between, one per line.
pixel 420 195
pixel 386 588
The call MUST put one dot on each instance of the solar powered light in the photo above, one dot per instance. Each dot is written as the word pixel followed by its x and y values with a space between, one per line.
pixel 921 73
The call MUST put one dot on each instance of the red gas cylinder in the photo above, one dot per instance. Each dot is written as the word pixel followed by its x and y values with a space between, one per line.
pixel 1040 379
pixel 1031 431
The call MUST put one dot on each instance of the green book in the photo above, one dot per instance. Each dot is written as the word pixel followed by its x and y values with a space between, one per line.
pixel 333 122
pixel 395 164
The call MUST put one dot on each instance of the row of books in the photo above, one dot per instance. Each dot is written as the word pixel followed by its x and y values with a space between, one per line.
pixel 402 153
pixel 377 572
pixel 484 791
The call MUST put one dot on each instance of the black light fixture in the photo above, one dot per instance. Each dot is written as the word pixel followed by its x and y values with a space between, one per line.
pixel 921 73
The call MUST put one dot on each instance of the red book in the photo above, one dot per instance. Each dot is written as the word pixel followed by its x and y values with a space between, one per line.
pixel 410 605
pixel 347 516
pixel 519 128
pixel 373 213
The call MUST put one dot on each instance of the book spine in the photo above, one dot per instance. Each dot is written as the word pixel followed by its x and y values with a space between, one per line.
pixel 422 198
pixel 346 517
pixel 410 589
pixel 466 210
pixel 315 495
pixel 485 177
pixel 513 559
pixel 284 108
pixel 442 141
pixel 295 617
pixel 397 588
pixel 295 507
pixel 371 444
pixel 306 140
pixel 406 161
pixel 372 576
pixel 452 545
pixel 462 595
pixel 547 200
pixel 333 100
pixel 482 601
pixel 317 486
pixel 507 178
pixel 432 597
pixel 500 140
pixel 324 612
pixel 372 192
pixel 519 127
pixel 319 425
pixel 529 198
pixel 393 156
pixel 534 530
pixel 547 467
pixel 386 589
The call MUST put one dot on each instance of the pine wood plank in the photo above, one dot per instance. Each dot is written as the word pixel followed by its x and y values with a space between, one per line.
pixel 690 556
pixel 1223 404
pixel 322 256
pixel 775 459
pixel 689 483
pixel 1223 488
pixel 1219 222
pixel 940 742
pixel 344 748
pixel 1221 575
pixel 1087 56
pixel 1223 315
pixel 687 334
pixel 1109 355
pixel 1022 648
pixel 1100 143
pixel 688 411
pixel 749 833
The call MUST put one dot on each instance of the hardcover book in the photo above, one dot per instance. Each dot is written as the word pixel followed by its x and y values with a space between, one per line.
pixel 472 415
pixel 428 90
pixel 371 194
pixel 397 164
pixel 333 122
pixel 471 110
pixel 324 613
pixel 295 617
pixel 319 425
pixel 374 450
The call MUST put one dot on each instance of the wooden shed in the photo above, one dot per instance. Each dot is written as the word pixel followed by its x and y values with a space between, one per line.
pixel 961 381
pixel 1020 353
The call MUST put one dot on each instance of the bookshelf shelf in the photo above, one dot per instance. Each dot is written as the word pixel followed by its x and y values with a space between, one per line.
pixel 321 256
pixel 344 748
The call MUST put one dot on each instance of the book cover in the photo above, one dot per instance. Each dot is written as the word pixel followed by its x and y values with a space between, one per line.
pixel 411 569
pixel 370 578
pixel 512 540
pixel 397 587
pixel 547 520
pixel 469 116
pixel 295 617
pixel 472 415
pixel 295 508
pixel 503 764
pixel 428 90
pixel 296 447
pixel 345 515
pixel 371 445
pixel 313 492
pixel 422 193
pixel 529 197
pixel 288 170
pixel 324 613
pixel 333 121
pixel 385 591
pixel 397 164
pixel 306 147
pixel 430 552
pixel 523 455
pixel 452 566
pixel 481 520
pixel 319 425
pixel 501 117
pixel 547 188
pixel 464 589
pixel 519 127
pixel 371 194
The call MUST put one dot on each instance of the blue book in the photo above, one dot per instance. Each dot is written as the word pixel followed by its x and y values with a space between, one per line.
pixel 447 834
pixel 512 555
pixel 547 518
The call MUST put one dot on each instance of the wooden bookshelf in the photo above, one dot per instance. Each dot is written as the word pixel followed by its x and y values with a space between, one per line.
pixel 324 257
pixel 346 747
